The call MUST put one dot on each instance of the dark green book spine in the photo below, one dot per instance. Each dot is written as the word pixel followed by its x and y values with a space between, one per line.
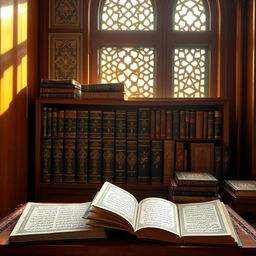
pixel 132 125
pixel 82 160
pixel 49 121
pixel 54 121
pixel 144 123
pixel 108 125
pixel 57 160
pixel 217 124
pixel 70 123
pixel 120 124
pixel 69 168
pixel 95 124
pixel 131 162
pixel 210 125
pixel 120 161
pixel 192 125
pixel 95 161
pixel 156 161
pixel 187 124
pixel 108 166
pixel 46 158
pixel 44 122
pixel 176 124
pixel 60 124
pixel 143 161
pixel 82 123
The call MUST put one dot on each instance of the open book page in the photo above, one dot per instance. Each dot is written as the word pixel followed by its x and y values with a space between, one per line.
pixel 118 201
pixel 203 219
pixel 51 218
pixel 158 213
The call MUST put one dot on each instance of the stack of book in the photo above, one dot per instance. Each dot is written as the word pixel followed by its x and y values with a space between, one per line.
pixel 193 187
pixel 241 188
pixel 113 91
pixel 56 88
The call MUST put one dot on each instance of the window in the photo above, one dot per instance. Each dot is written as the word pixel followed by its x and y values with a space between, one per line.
pixel 158 48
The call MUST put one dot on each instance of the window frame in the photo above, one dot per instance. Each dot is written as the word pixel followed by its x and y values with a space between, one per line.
pixel 163 42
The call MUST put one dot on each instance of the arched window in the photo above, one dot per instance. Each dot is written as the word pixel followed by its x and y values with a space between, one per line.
pixel 158 48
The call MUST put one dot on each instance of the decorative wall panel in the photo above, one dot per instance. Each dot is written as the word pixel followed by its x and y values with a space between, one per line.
pixel 65 13
pixel 65 56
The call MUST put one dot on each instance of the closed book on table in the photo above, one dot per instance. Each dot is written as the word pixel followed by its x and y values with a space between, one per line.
pixel 243 188
pixel 82 160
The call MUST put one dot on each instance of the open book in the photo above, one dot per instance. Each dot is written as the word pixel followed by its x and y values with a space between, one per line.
pixel 54 222
pixel 160 219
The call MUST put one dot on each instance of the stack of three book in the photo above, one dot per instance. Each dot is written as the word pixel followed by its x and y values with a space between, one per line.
pixel 189 187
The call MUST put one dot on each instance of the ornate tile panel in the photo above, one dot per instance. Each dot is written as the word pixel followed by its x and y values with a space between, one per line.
pixel 65 13
pixel 65 56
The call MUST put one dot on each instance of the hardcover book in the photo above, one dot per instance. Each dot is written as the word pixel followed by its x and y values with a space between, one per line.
pixel 104 95
pixel 60 123
pixel 108 126
pixel 110 87
pixel 176 124
pixel 108 159
pixel 120 161
pixel 46 157
pixel 156 161
pixel 57 160
pixel 168 124
pixel 169 160
pixel 69 169
pixel 144 123
pixel 195 179
pixel 95 160
pixel 95 124
pixel 202 157
pixel 131 161
pixel 120 124
pixel 82 160
pixel 82 123
pixel 70 123
pixel 143 161
pixel 44 121
pixel 41 222
pixel 158 124
pixel 241 187
pixel 162 220
pixel 132 124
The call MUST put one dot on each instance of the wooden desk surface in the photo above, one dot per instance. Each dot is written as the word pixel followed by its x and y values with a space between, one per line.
pixel 123 248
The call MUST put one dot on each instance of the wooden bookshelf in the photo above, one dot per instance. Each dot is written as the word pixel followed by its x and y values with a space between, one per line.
pixel 77 192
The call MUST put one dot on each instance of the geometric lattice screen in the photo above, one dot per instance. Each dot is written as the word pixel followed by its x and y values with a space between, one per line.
pixel 190 15
pixel 134 66
pixel 127 15
pixel 190 72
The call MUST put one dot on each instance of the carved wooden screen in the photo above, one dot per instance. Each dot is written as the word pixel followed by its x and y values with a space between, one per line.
pixel 158 48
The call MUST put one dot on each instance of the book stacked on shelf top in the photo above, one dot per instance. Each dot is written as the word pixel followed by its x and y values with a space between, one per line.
pixel 241 188
pixel 57 88
pixel 114 91
pixel 193 187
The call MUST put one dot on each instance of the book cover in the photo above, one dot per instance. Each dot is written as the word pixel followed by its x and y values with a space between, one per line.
pixel 163 124
pixel 156 161
pixel 217 124
pixel 82 160
pixel 199 124
pixel 57 160
pixel 187 124
pixel 192 125
pixel 202 157
pixel 60 123
pixel 210 125
pixel 158 124
pixel 95 160
pixel 176 124
pixel 54 121
pixel 179 156
pixel 120 124
pixel 144 161
pixel 168 124
pixel 46 160
pixel 242 188
pixel 49 121
pixel 95 124
pixel 182 124
pixel 131 161
pixel 70 123
pixel 82 123
pixel 195 179
pixel 108 160
pixel 152 124
pixel 205 124
pixel 120 161
pixel 44 121
pixel 168 161
pixel 108 126
pixel 132 125
pixel 143 123
pixel 69 168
